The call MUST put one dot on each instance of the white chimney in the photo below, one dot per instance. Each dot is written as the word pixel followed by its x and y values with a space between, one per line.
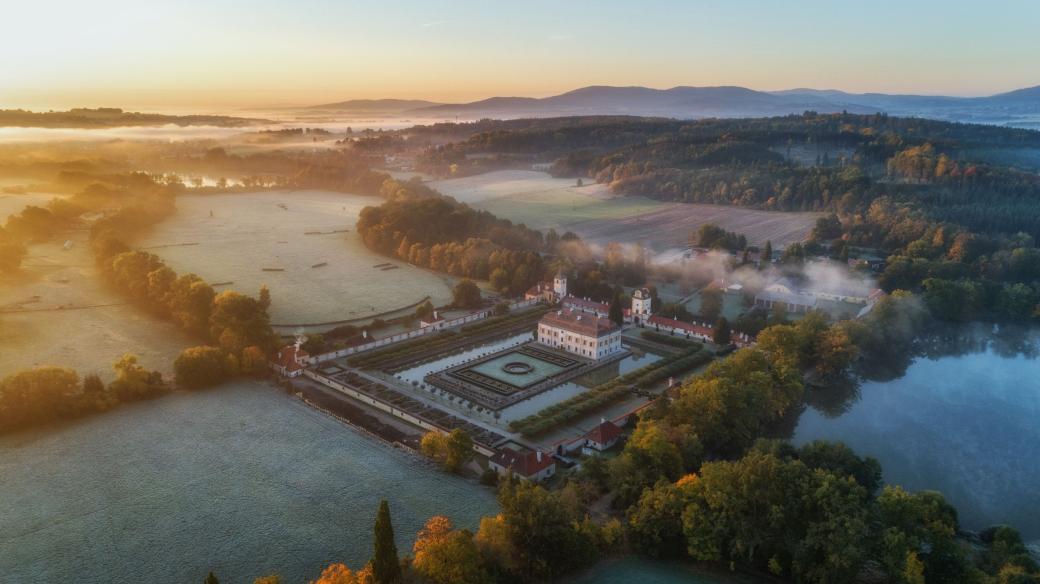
pixel 538 453
pixel 602 420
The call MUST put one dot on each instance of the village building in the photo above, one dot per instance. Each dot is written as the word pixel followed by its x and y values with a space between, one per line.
pixel 587 335
pixel 290 361
pixel 602 437
pixel 435 320
pixel 532 466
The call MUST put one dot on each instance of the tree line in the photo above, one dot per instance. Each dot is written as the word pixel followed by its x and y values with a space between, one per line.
pixel 436 232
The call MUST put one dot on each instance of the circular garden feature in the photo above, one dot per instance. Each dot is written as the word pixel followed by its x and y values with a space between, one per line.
pixel 518 368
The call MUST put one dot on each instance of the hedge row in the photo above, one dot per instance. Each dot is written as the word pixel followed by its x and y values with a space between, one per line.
pixel 373 359
pixel 606 393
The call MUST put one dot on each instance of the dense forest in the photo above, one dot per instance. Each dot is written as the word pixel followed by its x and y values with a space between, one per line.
pixel 111 117
pixel 960 230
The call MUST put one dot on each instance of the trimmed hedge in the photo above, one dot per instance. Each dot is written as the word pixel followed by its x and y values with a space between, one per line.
pixel 378 357
pixel 607 393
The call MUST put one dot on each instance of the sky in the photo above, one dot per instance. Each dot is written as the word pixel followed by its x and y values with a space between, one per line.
pixel 256 53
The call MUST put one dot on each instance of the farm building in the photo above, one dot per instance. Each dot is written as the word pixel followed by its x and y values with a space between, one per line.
pixel 794 302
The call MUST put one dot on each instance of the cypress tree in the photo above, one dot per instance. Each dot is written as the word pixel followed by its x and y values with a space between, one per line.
pixel 211 579
pixel 386 568
pixel 616 313
pixel 722 336
pixel 767 253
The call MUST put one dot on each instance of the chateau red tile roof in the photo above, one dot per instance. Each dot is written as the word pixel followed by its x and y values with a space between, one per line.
pixel 288 357
pixel 582 323
pixel 525 464
pixel 604 433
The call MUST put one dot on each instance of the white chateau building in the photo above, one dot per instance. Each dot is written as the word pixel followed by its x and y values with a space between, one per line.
pixel 641 305
pixel 580 333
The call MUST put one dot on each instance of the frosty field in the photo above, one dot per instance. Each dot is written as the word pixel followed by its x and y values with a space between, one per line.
pixel 58 312
pixel 236 237
pixel 541 201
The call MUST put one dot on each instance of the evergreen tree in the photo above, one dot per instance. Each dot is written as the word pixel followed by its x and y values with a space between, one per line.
pixel 211 579
pixel 386 568
pixel 722 336
pixel 767 253
pixel 617 314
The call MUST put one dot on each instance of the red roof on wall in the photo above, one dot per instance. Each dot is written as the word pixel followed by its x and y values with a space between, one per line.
pixel 678 324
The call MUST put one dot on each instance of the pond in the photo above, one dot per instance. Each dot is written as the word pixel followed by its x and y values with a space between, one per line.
pixel 963 419
pixel 303 245
pixel 243 480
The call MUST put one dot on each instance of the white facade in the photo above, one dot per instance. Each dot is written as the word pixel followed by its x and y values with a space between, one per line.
pixel 560 285
pixel 584 344
pixel 641 304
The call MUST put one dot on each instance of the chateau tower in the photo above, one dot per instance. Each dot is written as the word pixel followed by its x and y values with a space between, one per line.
pixel 641 304
pixel 560 284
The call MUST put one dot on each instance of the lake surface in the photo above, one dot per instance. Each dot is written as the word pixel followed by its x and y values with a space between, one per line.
pixel 242 480
pixel 967 425
pixel 322 270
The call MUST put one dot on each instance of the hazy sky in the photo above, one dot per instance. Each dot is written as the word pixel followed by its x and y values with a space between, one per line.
pixel 56 53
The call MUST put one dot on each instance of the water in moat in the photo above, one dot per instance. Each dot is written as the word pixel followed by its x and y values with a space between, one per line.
pixel 242 480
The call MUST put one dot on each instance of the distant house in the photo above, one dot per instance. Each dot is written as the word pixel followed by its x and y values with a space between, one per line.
pixel 792 301
pixel 533 466
pixel 290 361
pixel 602 437
pixel 435 320
pixel 587 335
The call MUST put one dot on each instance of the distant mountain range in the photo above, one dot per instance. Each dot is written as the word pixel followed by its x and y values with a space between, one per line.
pixel 1021 107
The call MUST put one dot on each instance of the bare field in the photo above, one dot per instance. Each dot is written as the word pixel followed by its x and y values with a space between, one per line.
pixel 56 311
pixel 671 226
pixel 540 201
